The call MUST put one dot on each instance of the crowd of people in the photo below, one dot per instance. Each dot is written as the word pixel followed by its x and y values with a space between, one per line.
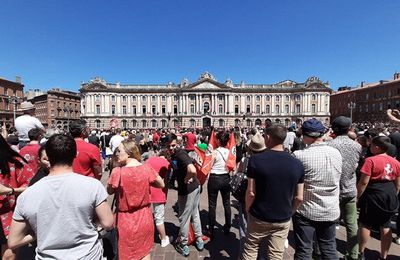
pixel 307 174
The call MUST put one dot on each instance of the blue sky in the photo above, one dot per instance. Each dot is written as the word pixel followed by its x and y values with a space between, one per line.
pixel 59 43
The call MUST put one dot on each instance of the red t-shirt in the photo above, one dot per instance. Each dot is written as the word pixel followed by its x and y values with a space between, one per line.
pixel 31 154
pixel 162 167
pixel 190 141
pixel 381 167
pixel 156 138
pixel 88 156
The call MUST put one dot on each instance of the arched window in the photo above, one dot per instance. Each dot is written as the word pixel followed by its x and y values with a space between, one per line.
pixel 258 111
pixel 314 97
pixel 277 109
pixel 248 98
pixel 248 123
pixel 236 98
pixel 175 109
pixel 277 98
pixel 192 122
pixel 124 124
pixel 221 123
pixel 123 98
pixel 98 123
pixel 313 110
pixel 287 109
pixel 258 98
pixel 192 109
pixel 153 123
pixel 124 111
pixel 113 98
pixel 236 109
pixel 134 123
pixel 287 98
pixel 297 108
pixel 248 109
pixel 144 109
pixel 98 109
pixel 163 109
pixel 144 123
pixel 267 109
pixel 153 109
pixel 237 122
pixel 267 98
pixel 220 109
pixel 163 123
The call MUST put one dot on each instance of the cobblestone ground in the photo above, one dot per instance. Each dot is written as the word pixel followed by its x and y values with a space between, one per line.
pixel 227 247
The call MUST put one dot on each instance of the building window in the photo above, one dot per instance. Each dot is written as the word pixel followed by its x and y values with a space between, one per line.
pixel 258 98
pixel 287 109
pixel 313 109
pixel 248 98
pixel 175 98
pixel 52 113
pixel 287 97
pixel 236 98
pixel 124 100
pixel 98 109
pixel 277 109
pixel 192 122
pixel 144 123
pixel 133 98
pixel 134 110
pixel 297 108
pixel 163 98
pixel 220 109
pixel 153 123
pixel 191 109
pixel 175 109
pixel 143 109
pixel 163 109
pixel 163 123
pixel 236 109
pixel 143 98
pixel 153 109
pixel 267 109
pixel 267 98
pixel 176 123
pixel 113 98
pixel 277 98
pixel 206 107
pixel 192 97
pixel 380 106
pixel 98 123
pixel 124 124
pixel 297 97
pixel 97 97
pixel 313 97
pixel 248 123
pixel 113 110
pixel 153 98
pixel 124 112
pixel 220 97
pixel 221 123
pixel 258 111
pixel 134 123
pixel 248 109
pixel 237 122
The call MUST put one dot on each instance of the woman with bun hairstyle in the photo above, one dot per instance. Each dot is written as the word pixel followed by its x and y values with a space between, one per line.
pixel 377 192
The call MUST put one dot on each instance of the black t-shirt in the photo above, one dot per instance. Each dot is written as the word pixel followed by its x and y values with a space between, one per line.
pixel 182 160
pixel 94 140
pixel 276 175
pixel 42 172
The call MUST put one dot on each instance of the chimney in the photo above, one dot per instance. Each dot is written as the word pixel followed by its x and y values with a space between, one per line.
pixel 18 79
pixel 362 84
pixel 396 75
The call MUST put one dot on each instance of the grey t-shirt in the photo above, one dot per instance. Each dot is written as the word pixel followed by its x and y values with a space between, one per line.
pixel 60 210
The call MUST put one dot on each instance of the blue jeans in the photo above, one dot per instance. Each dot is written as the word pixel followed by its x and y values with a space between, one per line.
pixel 304 230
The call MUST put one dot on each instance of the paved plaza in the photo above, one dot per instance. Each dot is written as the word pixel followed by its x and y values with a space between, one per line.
pixel 227 247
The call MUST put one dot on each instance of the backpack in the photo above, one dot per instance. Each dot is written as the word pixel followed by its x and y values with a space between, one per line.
pixel 238 182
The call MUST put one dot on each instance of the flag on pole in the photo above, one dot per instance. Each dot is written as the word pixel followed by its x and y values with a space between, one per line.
pixel 231 161
pixel 204 159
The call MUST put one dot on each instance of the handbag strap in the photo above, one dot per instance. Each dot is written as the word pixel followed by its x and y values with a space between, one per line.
pixel 116 197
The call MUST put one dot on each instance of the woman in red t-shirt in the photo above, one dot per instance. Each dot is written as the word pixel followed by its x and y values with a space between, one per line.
pixel 135 218
pixel 377 192
pixel 13 181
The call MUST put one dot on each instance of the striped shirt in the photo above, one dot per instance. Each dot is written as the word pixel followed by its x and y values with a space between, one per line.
pixel 322 167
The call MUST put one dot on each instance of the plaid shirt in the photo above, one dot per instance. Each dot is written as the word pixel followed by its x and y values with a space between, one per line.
pixel 351 152
pixel 322 167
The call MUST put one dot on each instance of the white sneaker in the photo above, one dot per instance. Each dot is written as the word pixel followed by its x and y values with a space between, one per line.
pixel 286 243
pixel 397 240
pixel 165 242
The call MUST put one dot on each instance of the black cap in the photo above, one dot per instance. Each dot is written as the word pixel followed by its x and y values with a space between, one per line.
pixel 341 122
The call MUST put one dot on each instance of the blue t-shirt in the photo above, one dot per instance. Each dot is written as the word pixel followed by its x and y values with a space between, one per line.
pixel 276 175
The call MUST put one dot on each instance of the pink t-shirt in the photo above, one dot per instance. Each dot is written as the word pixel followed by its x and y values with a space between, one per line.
pixel 162 167
pixel 87 157
pixel 190 141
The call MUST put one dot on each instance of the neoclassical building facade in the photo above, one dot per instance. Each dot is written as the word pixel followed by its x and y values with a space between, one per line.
pixel 202 103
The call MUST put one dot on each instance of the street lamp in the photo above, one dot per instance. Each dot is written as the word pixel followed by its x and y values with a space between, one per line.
pixel 351 106
pixel 68 109
pixel 13 100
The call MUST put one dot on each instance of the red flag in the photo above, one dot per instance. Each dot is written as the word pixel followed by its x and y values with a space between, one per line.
pixel 231 161
pixel 204 159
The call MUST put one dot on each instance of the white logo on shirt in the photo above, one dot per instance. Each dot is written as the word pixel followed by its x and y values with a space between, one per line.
pixel 388 170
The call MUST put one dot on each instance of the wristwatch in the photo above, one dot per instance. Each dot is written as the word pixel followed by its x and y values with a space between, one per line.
pixel 11 192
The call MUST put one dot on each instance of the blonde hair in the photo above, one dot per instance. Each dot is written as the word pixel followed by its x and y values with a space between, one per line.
pixel 132 149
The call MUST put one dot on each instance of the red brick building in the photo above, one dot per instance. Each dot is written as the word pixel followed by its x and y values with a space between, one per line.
pixel 11 96
pixel 367 102
pixel 57 107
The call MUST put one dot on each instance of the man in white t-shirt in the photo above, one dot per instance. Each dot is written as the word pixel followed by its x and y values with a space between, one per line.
pixel 60 209
pixel 116 140
pixel 26 122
